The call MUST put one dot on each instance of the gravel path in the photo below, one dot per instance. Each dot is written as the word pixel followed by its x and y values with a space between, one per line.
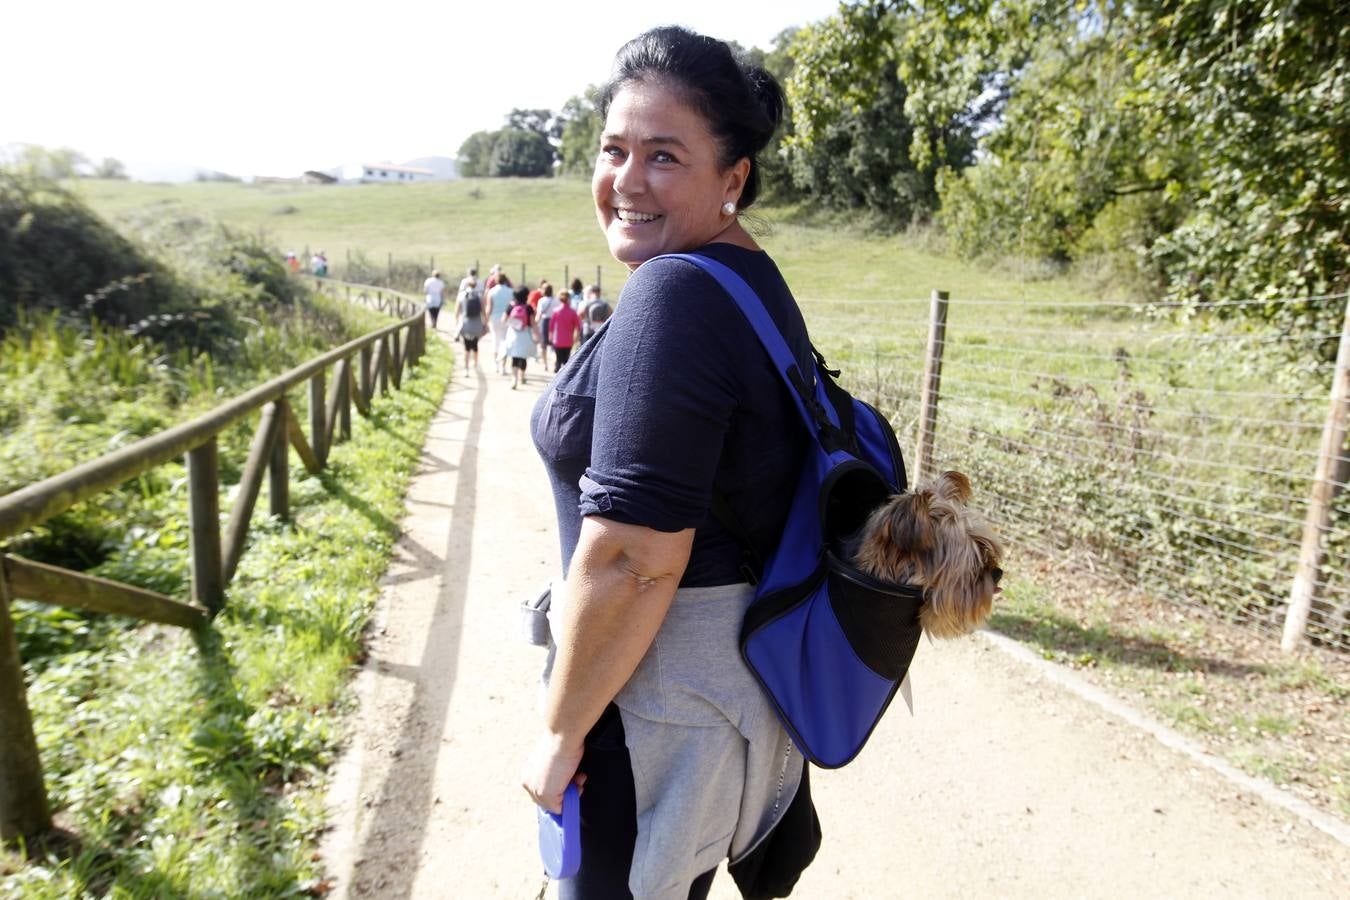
pixel 1004 783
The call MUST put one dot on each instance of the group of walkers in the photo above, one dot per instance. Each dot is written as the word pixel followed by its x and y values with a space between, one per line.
pixel 525 323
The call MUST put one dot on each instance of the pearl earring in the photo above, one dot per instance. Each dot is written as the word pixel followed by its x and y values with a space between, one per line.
pixel 728 208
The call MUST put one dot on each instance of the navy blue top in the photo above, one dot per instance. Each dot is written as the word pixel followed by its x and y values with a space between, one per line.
pixel 674 396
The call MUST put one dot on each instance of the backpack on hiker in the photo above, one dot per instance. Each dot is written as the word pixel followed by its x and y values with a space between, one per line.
pixel 597 313
pixel 471 322
pixel 829 644
pixel 519 318
pixel 473 304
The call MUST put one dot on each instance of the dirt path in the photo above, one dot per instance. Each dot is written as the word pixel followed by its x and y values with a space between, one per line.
pixel 1004 783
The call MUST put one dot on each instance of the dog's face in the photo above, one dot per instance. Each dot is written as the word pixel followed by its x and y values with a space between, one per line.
pixel 929 538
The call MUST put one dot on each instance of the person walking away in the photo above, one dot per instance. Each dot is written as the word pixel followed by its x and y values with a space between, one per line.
pixel 471 274
pixel 547 303
pixel 669 405
pixel 471 314
pixel 594 313
pixel 434 289
pixel 520 334
pixel 576 292
pixel 499 303
pixel 565 325
pixel 292 263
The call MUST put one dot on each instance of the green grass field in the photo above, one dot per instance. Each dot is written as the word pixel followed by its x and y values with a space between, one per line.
pixel 548 224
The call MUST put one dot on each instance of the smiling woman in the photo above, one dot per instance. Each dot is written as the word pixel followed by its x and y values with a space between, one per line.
pixel 670 404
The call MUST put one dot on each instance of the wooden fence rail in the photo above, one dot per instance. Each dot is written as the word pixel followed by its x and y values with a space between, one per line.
pixel 380 358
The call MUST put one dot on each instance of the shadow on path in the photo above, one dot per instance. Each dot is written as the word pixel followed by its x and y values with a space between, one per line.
pixel 407 792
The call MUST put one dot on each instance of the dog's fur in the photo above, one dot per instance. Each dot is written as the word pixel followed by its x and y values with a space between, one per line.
pixel 929 538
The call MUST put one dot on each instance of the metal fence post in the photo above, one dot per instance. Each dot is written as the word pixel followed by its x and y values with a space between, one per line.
pixel 23 795
pixel 932 384
pixel 1312 552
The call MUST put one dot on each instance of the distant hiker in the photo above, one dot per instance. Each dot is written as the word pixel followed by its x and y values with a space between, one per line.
pixel 519 321
pixel 576 292
pixel 499 303
pixel 547 304
pixel 291 262
pixel 565 326
pixel 471 314
pixel 594 313
pixel 494 275
pixel 318 264
pixel 434 288
pixel 471 275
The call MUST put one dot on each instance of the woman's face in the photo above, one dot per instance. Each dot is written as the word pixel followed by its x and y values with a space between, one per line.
pixel 658 184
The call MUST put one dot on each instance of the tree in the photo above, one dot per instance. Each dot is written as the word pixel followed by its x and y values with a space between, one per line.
pixel 520 154
pixel 540 121
pixel 580 142
pixel 44 163
pixel 475 154
pixel 110 168
pixel 853 144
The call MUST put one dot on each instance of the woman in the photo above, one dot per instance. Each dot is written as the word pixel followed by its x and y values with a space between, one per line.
pixel 471 316
pixel 520 335
pixel 499 304
pixel 681 760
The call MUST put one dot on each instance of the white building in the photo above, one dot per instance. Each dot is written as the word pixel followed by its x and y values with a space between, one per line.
pixel 381 173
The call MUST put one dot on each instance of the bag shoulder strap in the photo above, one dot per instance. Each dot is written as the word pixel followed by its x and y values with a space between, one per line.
pixel 806 396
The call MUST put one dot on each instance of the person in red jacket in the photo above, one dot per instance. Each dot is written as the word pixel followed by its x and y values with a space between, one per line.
pixel 564 327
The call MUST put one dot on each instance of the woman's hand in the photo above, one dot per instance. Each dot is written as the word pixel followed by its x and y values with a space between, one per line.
pixel 551 766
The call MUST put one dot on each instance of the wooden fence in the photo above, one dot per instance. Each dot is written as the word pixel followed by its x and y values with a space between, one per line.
pixel 362 369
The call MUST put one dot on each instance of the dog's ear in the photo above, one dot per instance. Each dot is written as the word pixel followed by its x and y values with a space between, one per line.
pixel 909 521
pixel 952 485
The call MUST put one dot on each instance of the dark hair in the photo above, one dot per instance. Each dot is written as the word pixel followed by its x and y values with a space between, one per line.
pixel 742 105
pixel 547 289
pixel 521 294
pixel 576 285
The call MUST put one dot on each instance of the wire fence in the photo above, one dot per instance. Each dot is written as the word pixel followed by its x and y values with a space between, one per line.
pixel 1174 457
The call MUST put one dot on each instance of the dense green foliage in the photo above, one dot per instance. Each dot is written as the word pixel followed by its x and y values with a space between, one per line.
pixel 177 279
pixel 1199 146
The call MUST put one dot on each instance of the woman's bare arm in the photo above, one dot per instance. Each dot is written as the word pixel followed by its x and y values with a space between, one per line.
pixel 619 587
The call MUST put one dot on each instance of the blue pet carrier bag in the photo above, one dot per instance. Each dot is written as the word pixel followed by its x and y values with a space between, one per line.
pixel 829 644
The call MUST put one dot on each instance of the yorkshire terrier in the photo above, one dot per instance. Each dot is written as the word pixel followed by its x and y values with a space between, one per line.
pixel 929 538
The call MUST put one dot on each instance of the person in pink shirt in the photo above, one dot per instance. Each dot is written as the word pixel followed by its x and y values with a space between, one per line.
pixel 564 327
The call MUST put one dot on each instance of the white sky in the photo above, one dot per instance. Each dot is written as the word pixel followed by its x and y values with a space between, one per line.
pixel 272 88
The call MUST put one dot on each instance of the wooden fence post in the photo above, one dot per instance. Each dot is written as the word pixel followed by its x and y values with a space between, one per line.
pixel 316 418
pixel 23 795
pixel 345 400
pixel 367 351
pixel 208 585
pixel 382 366
pixel 1312 553
pixel 389 272
pixel 932 383
pixel 598 282
pixel 259 455
pixel 279 469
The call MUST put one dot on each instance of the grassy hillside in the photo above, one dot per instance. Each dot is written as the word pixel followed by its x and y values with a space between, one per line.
pixel 549 223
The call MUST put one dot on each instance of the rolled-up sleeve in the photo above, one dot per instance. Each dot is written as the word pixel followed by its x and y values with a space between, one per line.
pixel 664 401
